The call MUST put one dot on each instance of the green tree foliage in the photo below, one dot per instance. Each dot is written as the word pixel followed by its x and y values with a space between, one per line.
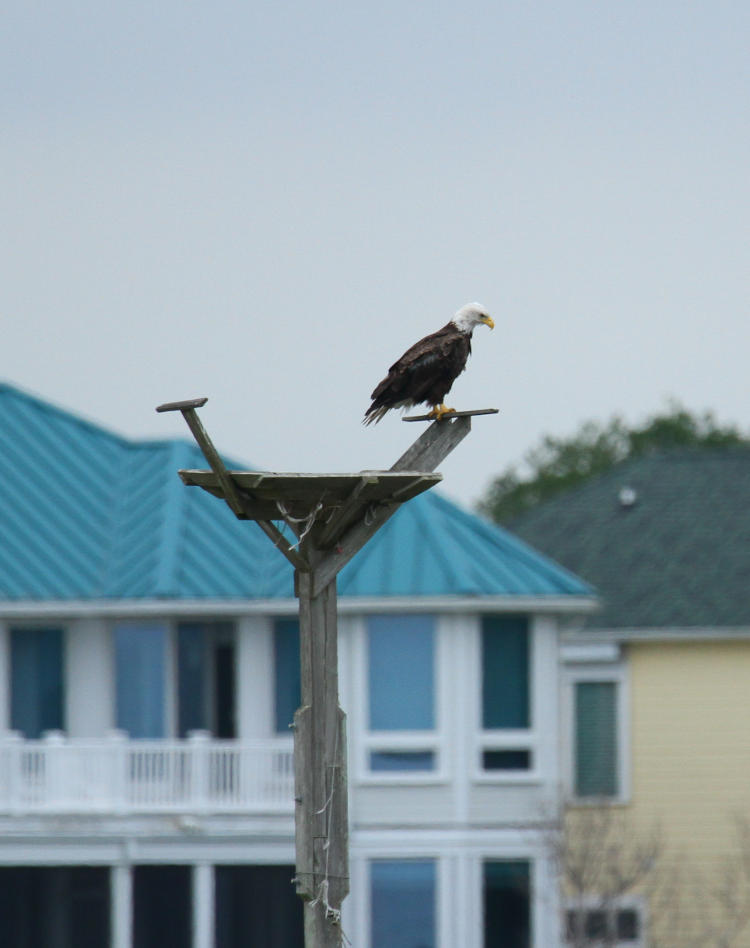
pixel 558 464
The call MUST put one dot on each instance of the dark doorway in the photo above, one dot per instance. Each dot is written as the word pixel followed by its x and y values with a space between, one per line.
pixel 36 681
pixel 162 906
pixel 206 670
pixel 54 906
pixel 257 905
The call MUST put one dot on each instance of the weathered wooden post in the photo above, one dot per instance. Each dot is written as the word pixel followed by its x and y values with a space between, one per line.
pixel 332 516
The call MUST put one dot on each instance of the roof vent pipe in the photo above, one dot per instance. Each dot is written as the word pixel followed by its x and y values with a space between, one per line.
pixel 627 497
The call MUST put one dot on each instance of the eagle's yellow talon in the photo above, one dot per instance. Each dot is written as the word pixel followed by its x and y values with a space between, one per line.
pixel 439 411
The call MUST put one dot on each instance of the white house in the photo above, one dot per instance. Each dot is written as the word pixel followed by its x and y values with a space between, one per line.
pixel 148 674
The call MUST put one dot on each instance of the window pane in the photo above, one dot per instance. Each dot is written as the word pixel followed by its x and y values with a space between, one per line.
pixel 287 679
pixel 403 903
pixel 401 663
pixel 596 927
pixel 596 738
pixel 206 678
pixel 574 922
pixel 507 907
pixel 140 669
pixel 36 691
pixel 257 905
pixel 505 672
pixel 506 760
pixel 225 724
pixel 192 659
pixel 402 760
pixel 627 925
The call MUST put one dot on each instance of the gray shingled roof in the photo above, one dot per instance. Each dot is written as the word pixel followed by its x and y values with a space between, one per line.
pixel 679 556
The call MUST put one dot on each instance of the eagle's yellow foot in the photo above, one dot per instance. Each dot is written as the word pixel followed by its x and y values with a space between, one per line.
pixel 439 411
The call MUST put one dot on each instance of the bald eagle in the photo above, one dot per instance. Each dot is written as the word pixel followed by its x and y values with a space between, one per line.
pixel 425 373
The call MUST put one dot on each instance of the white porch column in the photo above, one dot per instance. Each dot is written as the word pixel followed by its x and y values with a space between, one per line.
pixel 545 652
pixel 89 685
pixel 4 677
pixel 203 905
pixel 121 924
pixel 255 677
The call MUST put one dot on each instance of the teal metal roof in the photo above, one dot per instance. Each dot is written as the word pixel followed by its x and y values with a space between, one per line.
pixel 87 514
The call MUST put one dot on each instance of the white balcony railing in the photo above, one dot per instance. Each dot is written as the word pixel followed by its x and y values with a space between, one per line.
pixel 118 775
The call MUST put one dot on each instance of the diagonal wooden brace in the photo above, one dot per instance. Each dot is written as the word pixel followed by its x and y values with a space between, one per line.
pixel 231 494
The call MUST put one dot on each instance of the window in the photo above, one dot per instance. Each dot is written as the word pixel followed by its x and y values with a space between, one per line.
pixel 205 678
pixel 287 679
pixel 506 760
pixel 595 729
pixel 401 690
pixel 36 687
pixel 402 760
pixel 505 672
pixel 506 694
pixel 402 903
pixel 140 678
pixel 618 926
pixel 507 905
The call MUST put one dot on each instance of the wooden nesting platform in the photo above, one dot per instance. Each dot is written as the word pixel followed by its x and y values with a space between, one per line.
pixel 330 502
pixel 331 515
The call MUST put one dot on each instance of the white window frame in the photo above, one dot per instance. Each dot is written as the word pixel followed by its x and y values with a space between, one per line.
pixel 429 741
pixel 542 640
pixel 615 672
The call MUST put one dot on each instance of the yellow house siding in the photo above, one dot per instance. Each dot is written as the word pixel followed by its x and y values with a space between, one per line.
pixel 690 743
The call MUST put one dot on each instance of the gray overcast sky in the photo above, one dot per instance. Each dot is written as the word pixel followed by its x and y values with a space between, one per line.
pixel 266 203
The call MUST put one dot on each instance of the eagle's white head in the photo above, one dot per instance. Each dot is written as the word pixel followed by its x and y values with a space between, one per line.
pixel 471 315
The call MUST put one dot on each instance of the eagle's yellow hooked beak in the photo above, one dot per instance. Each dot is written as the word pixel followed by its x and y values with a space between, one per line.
pixel 488 321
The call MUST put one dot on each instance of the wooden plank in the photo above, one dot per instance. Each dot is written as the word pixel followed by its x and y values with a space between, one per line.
pixel 430 449
pixel 433 446
pixel 252 509
pixel 289 550
pixel 181 406
pixel 453 414
pixel 329 487
pixel 299 498
pixel 304 877
pixel 351 543
pixel 360 503
pixel 321 821
pixel 418 486
pixel 212 456
pixel 342 517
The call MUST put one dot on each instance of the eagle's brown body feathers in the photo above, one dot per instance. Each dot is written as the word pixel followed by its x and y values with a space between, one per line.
pixel 425 373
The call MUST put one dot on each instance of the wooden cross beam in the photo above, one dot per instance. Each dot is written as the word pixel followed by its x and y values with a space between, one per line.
pixel 332 516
